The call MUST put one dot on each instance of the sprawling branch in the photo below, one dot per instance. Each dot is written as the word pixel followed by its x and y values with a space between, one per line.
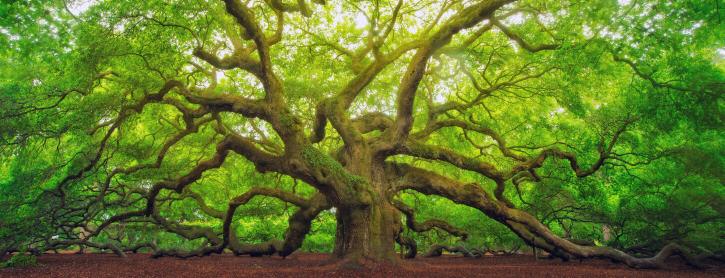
pixel 428 224
pixel 500 141
pixel 246 19
pixel 604 153
pixel 125 113
pixel 299 223
pixel 437 250
pixel 521 42
pixel 180 183
pixel 236 60
pixel 648 76
pixel 299 226
pixel 416 68
pixel 522 223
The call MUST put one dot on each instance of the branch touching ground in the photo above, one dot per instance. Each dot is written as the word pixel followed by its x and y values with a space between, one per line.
pixel 525 225
pixel 437 250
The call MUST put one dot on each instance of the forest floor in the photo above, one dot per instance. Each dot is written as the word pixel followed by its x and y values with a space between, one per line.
pixel 318 265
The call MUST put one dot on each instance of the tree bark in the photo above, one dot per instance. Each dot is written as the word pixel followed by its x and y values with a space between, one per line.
pixel 367 233
pixel 367 226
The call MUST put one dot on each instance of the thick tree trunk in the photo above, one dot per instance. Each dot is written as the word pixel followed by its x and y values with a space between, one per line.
pixel 367 233
pixel 366 229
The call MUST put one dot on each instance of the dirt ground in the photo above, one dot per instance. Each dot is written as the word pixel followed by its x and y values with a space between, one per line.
pixel 318 265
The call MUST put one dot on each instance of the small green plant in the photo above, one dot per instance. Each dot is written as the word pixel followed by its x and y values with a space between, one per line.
pixel 20 260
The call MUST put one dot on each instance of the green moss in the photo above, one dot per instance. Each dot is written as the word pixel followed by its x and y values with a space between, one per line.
pixel 21 260
pixel 320 160
pixel 287 120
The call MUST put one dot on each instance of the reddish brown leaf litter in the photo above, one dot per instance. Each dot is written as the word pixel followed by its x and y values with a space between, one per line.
pixel 318 265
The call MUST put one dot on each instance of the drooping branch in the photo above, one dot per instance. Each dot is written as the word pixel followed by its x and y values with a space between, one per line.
pixel 523 224
pixel 103 246
pixel 19 108
pixel 299 223
pixel 286 196
pixel 430 183
pixel 125 112
pixel 203 205
pixel 514 81
pixel 428 224
pixel 604 154
pixel 251 108
pixel 437 250
pixel 417 149
pixel 191 127
pixel 648 76
pixel 180 183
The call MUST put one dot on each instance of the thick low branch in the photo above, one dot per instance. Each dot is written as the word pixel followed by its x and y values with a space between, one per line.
pixel 103 246
pixel 371 122
pixel 299 223
pixel 428 224
pixel 437 250
pixel 523 224
pixel 178 185
pixel 407 243
pixel 417 149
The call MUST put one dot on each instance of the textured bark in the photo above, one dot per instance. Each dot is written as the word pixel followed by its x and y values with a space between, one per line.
pixel 366 233
pixel 368 223
pixel 409 244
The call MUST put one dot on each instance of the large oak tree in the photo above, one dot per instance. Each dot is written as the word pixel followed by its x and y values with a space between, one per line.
pixel 113 112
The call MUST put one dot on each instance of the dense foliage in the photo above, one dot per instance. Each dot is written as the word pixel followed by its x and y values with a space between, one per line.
pixel 105 103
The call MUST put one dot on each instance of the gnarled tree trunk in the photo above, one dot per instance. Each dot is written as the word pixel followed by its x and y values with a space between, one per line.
pixel 367 223
pixel 366 232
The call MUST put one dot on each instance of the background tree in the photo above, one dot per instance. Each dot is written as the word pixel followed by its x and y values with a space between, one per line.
pixel 194 127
